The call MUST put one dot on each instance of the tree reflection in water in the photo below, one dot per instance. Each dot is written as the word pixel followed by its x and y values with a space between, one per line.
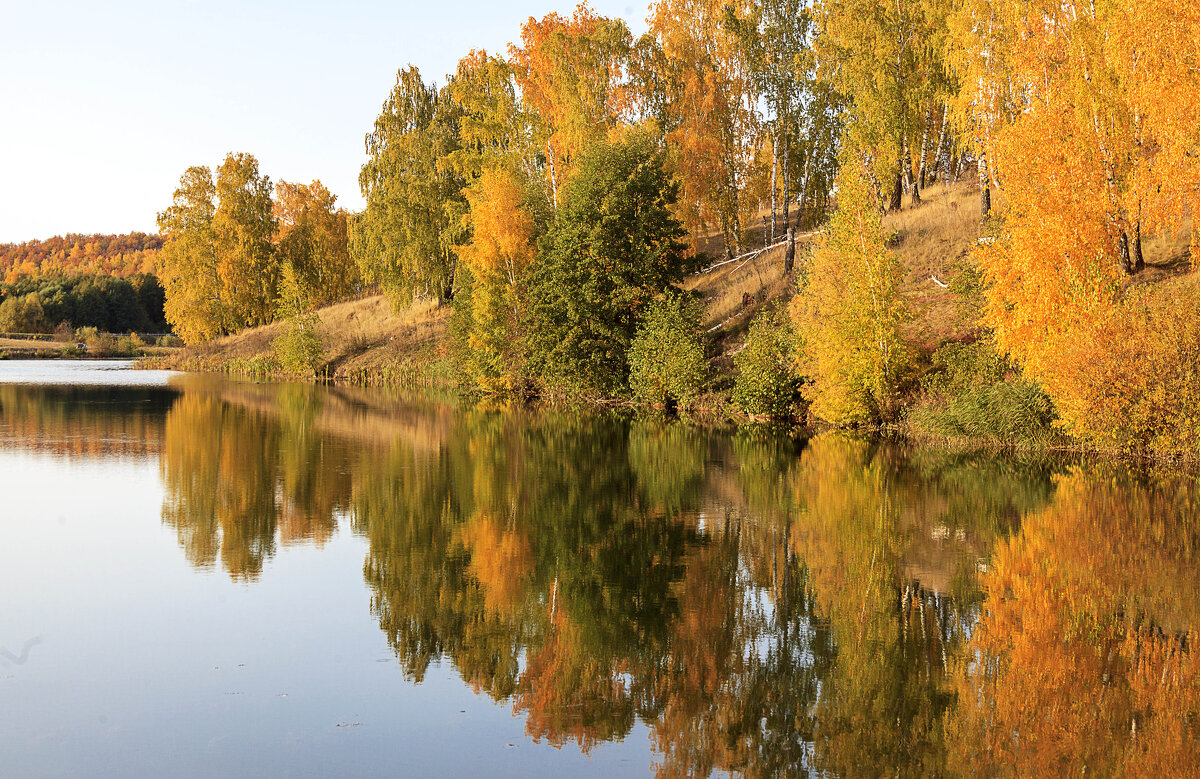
pixel 764 606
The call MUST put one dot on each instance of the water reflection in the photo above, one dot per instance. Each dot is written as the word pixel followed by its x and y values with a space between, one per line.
pixel 1083 659
pixel 764 606
pixel 84 421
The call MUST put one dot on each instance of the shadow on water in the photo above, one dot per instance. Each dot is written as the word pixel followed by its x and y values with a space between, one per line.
pixel 762 605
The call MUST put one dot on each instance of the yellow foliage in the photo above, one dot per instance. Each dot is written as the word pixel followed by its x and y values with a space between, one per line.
pixel 502 246
pixel 848 314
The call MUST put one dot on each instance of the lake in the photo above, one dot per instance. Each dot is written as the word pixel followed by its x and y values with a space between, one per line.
pixel 201 576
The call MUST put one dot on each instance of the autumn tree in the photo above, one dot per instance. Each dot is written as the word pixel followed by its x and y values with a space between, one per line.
pixel 885 58
pixel 571 76
pixel 313 241
pixel 697 78
pixel 507 214
pixel 243 226
pixel 1091 164
pixel 848 312
pixel 404 238
pixel 802 112
pixel 195 300
pixel 117 255
pixel 493 124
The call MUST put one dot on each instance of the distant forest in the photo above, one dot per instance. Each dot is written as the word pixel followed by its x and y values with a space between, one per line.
pixel 64 255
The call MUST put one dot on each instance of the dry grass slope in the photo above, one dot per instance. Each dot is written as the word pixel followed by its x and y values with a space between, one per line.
pixel 364 341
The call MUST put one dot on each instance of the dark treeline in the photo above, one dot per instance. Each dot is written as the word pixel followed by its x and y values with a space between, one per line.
pixel 43 304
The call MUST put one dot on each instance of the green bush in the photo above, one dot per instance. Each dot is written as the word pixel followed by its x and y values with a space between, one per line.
pixel 766 375
pixel 298 347
pixel 666 358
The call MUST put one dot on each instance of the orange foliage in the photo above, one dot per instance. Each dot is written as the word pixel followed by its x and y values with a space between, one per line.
pixel 1084 657
pixel 502 245
pixel 571 73
pixel 501 561
pixel 1092 159
pixel 712 121
pixel 112 255
pixel 569 692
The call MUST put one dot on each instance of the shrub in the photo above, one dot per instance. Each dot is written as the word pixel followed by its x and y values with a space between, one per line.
pixel 127 346
pixel 666 358
pixel 298 346
pixel 1131 379
pixel 766 376
pixel 98 344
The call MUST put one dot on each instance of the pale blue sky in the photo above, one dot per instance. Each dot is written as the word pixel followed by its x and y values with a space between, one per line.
pixel 104 104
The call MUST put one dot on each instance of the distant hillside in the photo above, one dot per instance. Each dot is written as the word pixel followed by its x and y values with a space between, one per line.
pixel 115 255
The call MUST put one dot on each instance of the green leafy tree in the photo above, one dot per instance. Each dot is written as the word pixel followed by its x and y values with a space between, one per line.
pixel 613 246
pixel 492 124
pixel 404 240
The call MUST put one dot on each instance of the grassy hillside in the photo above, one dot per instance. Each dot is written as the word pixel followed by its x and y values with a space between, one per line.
pixel 365 342
pixel 933 241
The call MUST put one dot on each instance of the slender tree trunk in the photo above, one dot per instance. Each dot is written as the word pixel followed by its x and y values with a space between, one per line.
pixel 985 191
pixel 1139 262
pixel 553 178
pixel 787 180
pixel 924 148
pixel 789 253
pixel 1126 261
pixel 802 190
pixel 766 233
pixel 774 177
pixel 908 174
pixel 876 187
pixel 897 191
pixel 937 152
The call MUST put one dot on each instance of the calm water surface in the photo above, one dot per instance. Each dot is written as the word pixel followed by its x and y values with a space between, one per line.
pixel 206 577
